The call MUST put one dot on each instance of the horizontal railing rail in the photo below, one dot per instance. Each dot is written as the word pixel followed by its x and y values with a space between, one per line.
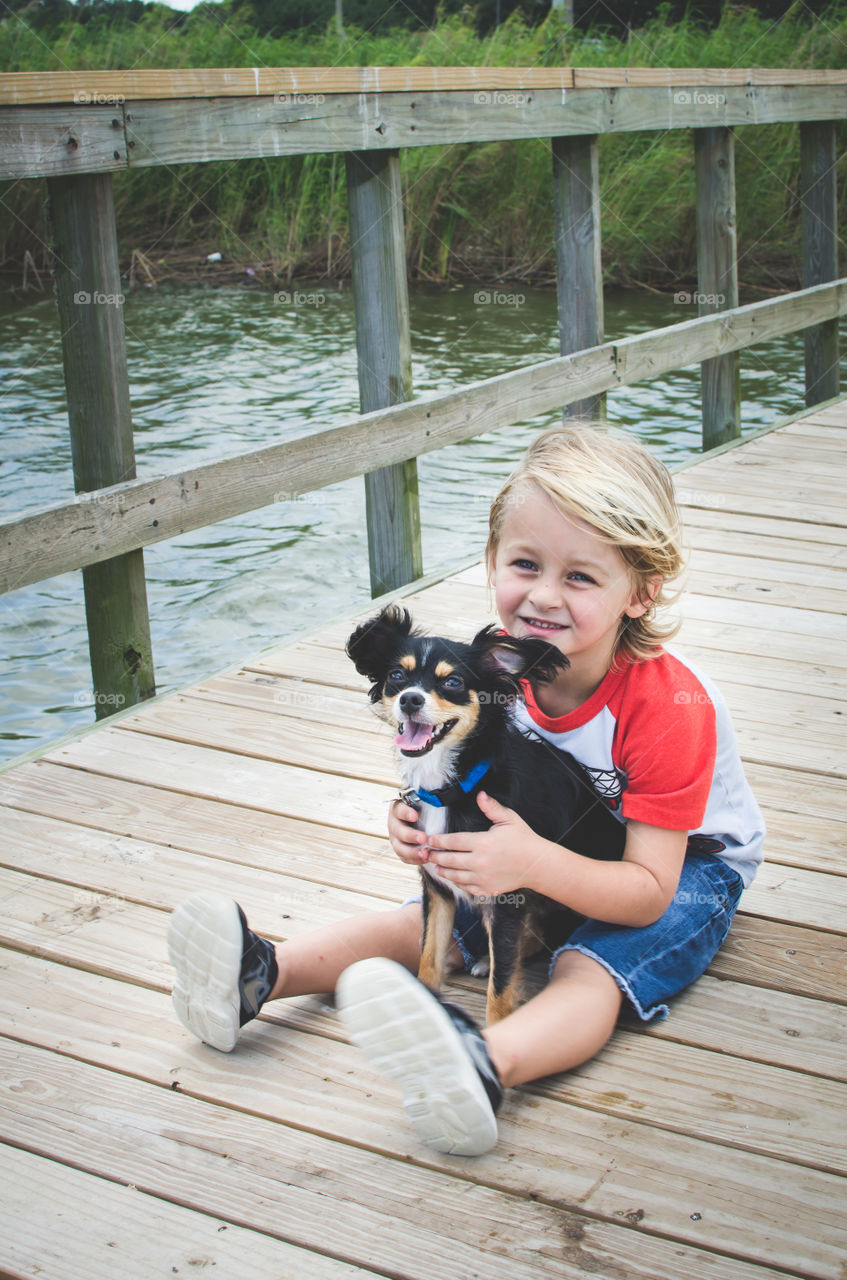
pixel 109 522
pixel 108 121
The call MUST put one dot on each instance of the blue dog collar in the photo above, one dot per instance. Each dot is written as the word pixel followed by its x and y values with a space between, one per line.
pixel 446 795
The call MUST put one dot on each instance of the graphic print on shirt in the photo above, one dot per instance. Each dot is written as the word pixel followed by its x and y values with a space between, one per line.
pixel 608 785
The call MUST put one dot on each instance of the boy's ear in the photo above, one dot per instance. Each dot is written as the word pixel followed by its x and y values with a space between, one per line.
pixel 374 643
pixel 643 599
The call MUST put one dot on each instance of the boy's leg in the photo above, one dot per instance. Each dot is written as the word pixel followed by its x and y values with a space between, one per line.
pixel 314 961
pixel 566 1024
pixel 452 1077
pixel 225 972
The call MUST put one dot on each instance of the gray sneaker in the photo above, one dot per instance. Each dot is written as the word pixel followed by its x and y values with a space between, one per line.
pixel 435 1052
pixel 224 971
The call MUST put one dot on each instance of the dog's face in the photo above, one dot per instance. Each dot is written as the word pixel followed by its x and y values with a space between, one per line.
pixel 439 693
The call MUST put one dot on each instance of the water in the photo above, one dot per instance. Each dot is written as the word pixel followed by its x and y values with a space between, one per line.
pixel 218 372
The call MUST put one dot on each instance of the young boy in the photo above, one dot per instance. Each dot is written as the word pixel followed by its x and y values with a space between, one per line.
pixel 583 539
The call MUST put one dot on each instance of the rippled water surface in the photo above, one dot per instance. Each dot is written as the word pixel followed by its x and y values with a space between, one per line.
pixel 218 372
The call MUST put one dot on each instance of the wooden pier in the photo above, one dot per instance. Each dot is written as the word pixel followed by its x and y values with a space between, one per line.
pixel 75 129
pixel 712 1145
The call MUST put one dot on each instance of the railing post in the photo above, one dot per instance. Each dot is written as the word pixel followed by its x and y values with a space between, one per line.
pixel 818 196
pixel 88 294
pixel 579 273
pixel 381 297
pixel 717 273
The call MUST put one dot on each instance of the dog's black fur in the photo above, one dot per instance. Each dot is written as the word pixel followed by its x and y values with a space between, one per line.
pixel 451 704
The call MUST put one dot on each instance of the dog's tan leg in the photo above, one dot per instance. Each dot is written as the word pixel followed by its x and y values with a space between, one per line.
pixel 439 914
pixel 501 1004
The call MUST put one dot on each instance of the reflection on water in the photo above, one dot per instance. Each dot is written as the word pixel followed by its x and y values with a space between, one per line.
pixel 216 373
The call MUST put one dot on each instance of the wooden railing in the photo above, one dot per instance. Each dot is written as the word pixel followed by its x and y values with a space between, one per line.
pixel 77 128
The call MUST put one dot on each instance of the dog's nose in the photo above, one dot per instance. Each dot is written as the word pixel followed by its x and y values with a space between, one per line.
pixel 411 700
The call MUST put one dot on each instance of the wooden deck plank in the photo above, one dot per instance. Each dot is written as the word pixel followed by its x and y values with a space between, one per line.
pixel 798 730
pixel 768 952
pixel 45 1200
pixel 709 1145
pixel 792 895
pixel 804 731
pixel 624 1173
pixel 329 855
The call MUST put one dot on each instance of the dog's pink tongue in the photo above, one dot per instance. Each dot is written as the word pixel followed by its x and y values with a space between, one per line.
pixel 413 736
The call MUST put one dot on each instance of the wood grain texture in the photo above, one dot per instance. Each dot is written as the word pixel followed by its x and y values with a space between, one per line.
pixel 112 129
pixel 717 277
pixel 90 305
pixel 819 201
pixel 710 1145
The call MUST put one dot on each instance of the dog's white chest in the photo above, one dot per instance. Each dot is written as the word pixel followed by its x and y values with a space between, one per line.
pixel 433 820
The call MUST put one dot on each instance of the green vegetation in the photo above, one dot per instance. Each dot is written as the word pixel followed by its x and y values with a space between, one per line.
pixel 480 210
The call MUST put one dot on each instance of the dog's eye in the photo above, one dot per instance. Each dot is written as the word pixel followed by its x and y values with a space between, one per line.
pixel 396 676
pixel 453 682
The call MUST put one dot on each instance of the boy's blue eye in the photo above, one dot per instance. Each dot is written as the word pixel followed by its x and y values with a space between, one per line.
pixel 525 564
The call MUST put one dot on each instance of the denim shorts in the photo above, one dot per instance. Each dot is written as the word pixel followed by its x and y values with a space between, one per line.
pixel 652 964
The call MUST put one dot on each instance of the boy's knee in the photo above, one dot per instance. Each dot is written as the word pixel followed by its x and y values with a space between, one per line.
pixel 577 966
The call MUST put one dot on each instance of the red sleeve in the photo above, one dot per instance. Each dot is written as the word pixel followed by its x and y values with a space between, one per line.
pixel 665 743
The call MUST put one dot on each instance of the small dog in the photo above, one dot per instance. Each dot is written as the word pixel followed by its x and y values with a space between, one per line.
pixel 451 706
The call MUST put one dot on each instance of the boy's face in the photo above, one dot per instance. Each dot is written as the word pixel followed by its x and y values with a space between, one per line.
pixel 554 578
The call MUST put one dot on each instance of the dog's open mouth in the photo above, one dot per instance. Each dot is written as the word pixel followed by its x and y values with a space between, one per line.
pixel 416 738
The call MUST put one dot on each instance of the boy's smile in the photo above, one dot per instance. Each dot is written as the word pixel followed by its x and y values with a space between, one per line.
pixel 555 578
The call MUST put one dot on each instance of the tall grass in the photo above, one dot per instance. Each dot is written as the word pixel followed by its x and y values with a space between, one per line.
pixel 479 211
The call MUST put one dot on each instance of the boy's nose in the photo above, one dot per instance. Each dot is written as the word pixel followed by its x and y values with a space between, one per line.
pixel 547 594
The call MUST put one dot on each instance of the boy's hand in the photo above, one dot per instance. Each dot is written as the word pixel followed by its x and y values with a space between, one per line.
pixel 408 843
pixel 488 863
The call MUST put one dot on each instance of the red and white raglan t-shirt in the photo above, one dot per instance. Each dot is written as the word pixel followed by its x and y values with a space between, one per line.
pixel 657 740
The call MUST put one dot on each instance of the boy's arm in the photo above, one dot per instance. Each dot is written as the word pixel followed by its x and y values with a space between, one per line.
pixel 635 891
pixel 510 856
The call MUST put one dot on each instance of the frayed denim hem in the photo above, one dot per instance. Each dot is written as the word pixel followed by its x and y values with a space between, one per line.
pixel 659 1011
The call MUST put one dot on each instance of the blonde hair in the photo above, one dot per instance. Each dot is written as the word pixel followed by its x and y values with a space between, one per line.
pixel 626 495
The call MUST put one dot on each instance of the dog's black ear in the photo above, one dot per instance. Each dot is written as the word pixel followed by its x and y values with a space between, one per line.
pixel 523 659
pixel 373 645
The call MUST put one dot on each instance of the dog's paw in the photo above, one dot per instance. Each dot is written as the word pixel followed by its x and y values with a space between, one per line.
pixel 481 969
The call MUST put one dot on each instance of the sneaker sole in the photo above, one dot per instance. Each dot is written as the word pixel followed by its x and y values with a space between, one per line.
pixel 205 942
pixel 406 1035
